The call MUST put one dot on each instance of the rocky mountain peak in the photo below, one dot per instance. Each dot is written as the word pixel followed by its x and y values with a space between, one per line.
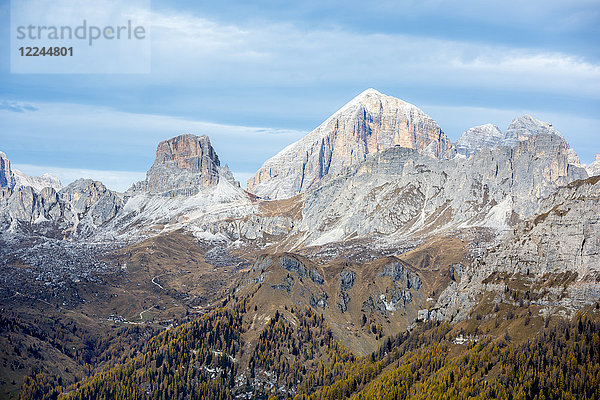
pixel 478 137
pixel 370 92
pixel 183 165
pixel 13 178
pixel 371 100
pixel 187 151
pixel 594 168
pixel 38 183
pixel 574 158
pixel 369 123
pixel 521 128
pixel 388 122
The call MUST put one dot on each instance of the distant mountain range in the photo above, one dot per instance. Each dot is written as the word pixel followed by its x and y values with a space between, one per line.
pixel 375 220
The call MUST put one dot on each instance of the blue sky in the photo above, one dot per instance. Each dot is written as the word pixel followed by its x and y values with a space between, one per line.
pixel 256 77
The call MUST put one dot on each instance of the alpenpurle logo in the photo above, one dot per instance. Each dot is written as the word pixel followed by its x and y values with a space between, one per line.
pixel 80 36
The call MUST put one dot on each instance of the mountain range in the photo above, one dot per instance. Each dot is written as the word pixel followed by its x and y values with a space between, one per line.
pixel 375 222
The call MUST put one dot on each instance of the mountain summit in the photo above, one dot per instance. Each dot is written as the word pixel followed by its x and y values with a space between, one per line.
pixel 478 137
pixel 183 165
pixel 369 123
pixel 525 126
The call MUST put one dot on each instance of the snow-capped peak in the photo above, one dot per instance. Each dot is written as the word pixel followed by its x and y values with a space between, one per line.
pixel 525 126
pixel 476 138
pixel 37 182
pixel 369 123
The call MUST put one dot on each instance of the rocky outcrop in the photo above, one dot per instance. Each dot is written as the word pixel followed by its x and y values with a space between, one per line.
pixel 400 191
pixel 398 273
pixel 293 265
pixel 184 165
pixel 77 210
pixel 90 200
pixel 7 178
pixel 347 279
pixel 38 183
pixel 11 178
pixel 521 128
pixel 370 123
pixel 525 126
pixel 478 137
pixel 594 168
pixel 555 253
pixel 574 158
pixel 187 188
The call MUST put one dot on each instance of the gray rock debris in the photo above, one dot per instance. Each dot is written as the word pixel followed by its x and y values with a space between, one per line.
pixel 293 265
pixel 347 279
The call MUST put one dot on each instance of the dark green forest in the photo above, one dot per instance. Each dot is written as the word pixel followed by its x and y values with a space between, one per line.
pixel 295 356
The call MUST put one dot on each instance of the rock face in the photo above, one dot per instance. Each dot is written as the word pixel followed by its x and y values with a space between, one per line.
pixel 400 191
pixel 594 168
pixel 37 182
pixel 574 158
pixel 566 233
pixel 91 199
pixel 39 205
pixel 555 252
pixel 183 165
pixel 387 291
pixel 522 128
pixel 7 178
pixel 478 137
pixel 11 178
pixel 368 124
pixel 77 210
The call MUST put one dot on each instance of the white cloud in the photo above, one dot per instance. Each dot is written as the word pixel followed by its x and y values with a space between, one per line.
pixel 201 50
pixel 16 106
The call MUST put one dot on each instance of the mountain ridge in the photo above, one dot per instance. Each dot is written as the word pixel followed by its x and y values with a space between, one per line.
pixel 491 244
pixel 369 123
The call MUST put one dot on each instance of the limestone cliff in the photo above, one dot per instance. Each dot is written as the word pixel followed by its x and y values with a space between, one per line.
pixel 370 123
pixel 554 253
pixel 400 191
pixel 7 178
pixel 525 126
pixel 183 165
pixel 478 137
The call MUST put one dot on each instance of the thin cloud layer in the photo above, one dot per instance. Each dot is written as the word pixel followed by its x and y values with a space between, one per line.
pixel 16 106
pixel 198 49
